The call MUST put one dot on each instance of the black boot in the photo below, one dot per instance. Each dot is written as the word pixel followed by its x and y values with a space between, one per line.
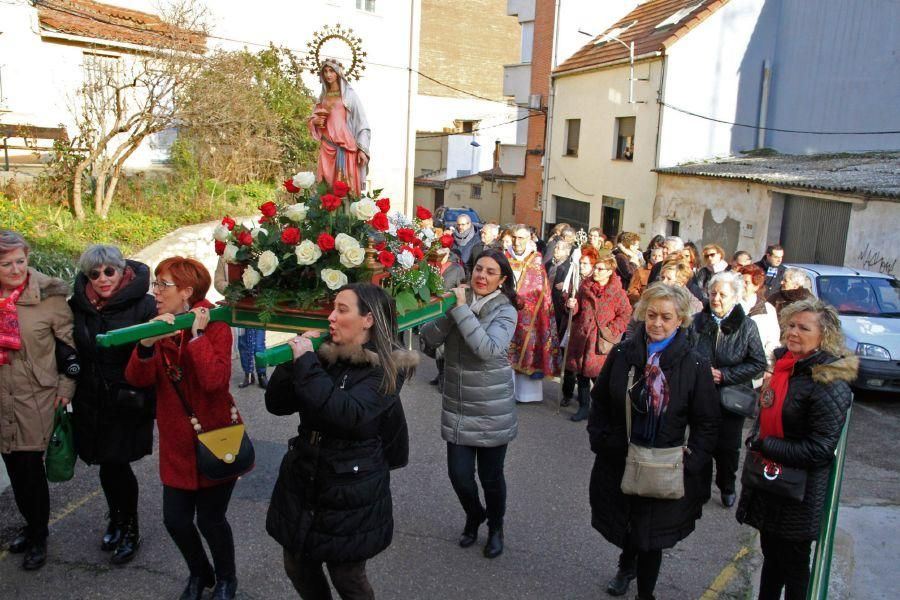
pixel 618 585
pixel 440 374
pixel 196 585
pixel 470 532
pixel 19 543
pixel 249 379
pixel 225 589
pixel 494 546
pixel 131 542
pixel 566 401
pixel 36 555
pixel 262 380
pixel 583 410
pixel 113 534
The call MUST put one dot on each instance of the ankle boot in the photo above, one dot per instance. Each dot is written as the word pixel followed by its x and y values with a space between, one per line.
pixel 36 555
pixel 130 543
pixel 225 589
pixel 470 531
pixel 113 534
pixel 584 408
pixel 618 585
pixel 494 546
pixel 249 379
pixel 263 380
pixel 19 543
pixel 195 586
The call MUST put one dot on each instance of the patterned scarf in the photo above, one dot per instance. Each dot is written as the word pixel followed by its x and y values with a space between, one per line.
pixel 770 423
pixel 655 400
pixel 95 299
pixel 10 337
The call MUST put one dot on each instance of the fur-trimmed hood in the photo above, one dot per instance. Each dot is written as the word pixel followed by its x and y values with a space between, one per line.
pixel 364 355
pixel 845 368
pixel 40 287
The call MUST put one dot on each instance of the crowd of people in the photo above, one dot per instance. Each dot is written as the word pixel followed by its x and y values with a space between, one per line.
pixel 658 345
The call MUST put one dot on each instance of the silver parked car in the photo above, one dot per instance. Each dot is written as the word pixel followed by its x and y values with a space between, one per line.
pixel 869 308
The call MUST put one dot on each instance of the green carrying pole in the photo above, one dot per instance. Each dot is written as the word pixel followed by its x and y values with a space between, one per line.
pixel 282 352
pixel 129 335
pixel 821 568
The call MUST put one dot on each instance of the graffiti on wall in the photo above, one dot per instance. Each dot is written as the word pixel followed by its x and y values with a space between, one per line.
pixel 873 260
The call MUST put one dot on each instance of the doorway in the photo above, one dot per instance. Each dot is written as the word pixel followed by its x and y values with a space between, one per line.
pixel 815 231
pixel 611 217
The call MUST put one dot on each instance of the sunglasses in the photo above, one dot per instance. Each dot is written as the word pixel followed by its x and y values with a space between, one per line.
pixel 94 274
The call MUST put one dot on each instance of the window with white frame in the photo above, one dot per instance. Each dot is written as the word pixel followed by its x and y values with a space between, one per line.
pixel 625 138
pixel 366 5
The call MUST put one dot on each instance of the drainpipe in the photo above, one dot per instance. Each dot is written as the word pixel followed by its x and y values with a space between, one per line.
pixel 763 105
pixel 548 129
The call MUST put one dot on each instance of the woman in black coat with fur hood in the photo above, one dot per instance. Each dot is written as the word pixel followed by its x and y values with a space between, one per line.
pixel 332 501
pixel 804 406
pixel 671 390
pixel 113 420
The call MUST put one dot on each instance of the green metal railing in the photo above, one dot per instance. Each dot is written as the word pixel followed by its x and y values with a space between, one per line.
pixel 821 568
pixel 285 322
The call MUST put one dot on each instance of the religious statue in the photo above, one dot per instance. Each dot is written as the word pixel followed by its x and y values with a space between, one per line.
pixel 339 124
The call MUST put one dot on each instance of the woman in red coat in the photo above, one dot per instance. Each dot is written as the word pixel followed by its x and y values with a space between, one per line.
pixel 199 363
pixel 601 312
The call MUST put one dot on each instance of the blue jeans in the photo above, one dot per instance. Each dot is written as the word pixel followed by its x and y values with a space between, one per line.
pixel 251 341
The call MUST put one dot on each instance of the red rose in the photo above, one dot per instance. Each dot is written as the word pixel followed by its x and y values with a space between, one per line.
pixel 384 204
pixel 269 210
pixel 417 243
pixel 417 252
pixel 289 186
pixel 220 247
pixel 422 213
pixel 380 246
pixel 340 189
pixel 290 235
pixel 330 202
pixel 447 240
pixel 228 222
pixel 386 259
pixel 244 238
pixel 406 235
pixel 380 222
pixel 325 242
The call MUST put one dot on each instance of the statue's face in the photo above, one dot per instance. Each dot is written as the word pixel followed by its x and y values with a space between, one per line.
pixel 329 75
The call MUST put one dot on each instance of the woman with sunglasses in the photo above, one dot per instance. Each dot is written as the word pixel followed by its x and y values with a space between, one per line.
pixel 190 367
pixel 33 312
pixel 601 312
pixel 113 420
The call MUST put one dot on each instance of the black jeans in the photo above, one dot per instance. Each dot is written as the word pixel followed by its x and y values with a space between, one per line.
pixel 120 487
pixel 785 565
pixel 568 384
pixel 348 578
pixel 645 564
pixel 461 468
pixel 210 506
pixel 728 451
pixel 29 484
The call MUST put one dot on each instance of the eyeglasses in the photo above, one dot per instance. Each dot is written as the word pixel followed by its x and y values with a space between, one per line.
pixel 94 274
pixel 159 283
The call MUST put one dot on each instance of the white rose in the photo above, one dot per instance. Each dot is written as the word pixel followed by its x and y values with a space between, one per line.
pixel 250 277
pixel 304 179
pixel 365 209
pixel 334 279
pixel 257 230
pixel 406 259
pixel 307 253
pixel 296 212
pixel 267 263
pixel 221 233
pixel 353 257
pixel 230 254
pixel 343 242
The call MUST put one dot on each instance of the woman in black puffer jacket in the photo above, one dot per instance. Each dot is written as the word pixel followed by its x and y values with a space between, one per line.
pixel 113 420
pixel 332 501
pixel 729 339
pixel 804 409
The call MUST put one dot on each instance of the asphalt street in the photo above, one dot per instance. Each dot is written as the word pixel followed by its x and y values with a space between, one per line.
pixel 551 549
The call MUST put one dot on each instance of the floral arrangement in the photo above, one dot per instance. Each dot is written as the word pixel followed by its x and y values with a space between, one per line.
pixel 298 254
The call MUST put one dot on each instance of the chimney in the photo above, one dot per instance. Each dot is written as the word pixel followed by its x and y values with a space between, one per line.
pixel 497 155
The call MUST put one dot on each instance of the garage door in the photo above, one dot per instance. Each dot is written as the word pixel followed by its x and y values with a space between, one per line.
pixel 815 231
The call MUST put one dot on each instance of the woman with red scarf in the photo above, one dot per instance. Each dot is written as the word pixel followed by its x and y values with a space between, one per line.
pixel 113 420
pixel 803 408
pixel 33 311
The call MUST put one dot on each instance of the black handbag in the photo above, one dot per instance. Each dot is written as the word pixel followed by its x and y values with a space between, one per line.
pixel 224 453
pixel 770 476
pixel 740 399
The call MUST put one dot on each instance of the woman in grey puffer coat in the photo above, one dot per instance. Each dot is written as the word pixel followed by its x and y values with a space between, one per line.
pixel 478 419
